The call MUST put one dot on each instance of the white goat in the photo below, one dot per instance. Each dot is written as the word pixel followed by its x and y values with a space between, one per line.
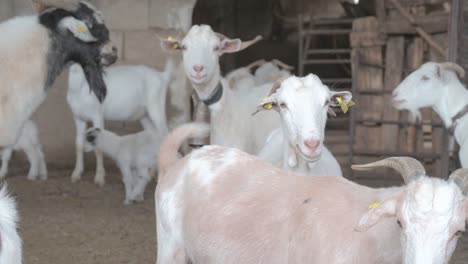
pixel 221 205
pixel 133 93
pixel 28 141
pixel 35 49
pixel 436 85
pixel 11 250
pixel 230 109
pixel 303 104
pixel 136 156
pixel 266 72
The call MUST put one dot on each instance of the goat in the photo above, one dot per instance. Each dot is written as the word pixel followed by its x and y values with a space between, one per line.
pixel 436 85
pixel 303 104
pixel 11 252
pixel 266 72
pixel 136 156
pixel 28 141
pixel 35 49
pixel 134 92
pixel 230 109
pixel 222 205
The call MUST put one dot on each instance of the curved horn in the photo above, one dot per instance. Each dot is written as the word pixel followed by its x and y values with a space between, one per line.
pixel 454 67
pixel 41 5
pixel 408 167
pixel 460 178
pixel 282 65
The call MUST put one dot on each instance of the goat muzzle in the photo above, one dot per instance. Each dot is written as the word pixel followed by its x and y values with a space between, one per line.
pixel 108 54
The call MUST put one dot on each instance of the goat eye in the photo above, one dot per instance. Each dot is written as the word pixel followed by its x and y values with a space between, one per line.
pixel 283 105
pixel 327 103
pixel 425 78
pixel 216 48
pixel 399 223
pixel 183 47
pixel 459 233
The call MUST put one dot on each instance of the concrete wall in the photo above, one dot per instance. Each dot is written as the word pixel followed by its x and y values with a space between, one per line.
pixel 135 32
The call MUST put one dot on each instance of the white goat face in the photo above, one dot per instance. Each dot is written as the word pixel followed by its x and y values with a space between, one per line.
pixel 303 105
pixel 422 88
pixel 201 49
pixel 431 214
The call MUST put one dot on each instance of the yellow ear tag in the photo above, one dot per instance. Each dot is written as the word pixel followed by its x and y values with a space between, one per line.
pixel 81 28
pixel 344 106
pixel 374 205
pixel 268 106
pixel 174 45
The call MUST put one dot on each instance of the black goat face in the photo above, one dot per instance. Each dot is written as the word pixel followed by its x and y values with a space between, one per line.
pixel 79 35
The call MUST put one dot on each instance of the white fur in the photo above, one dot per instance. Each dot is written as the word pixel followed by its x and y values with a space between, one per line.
pixel 133 93
pixel 303 104
pixel 28 141
pixel 135 154
pixel 434 86
pixel 253 212
pixel 11 249
pixel 231 121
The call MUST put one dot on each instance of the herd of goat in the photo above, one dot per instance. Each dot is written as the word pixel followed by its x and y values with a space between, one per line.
pixel 242 199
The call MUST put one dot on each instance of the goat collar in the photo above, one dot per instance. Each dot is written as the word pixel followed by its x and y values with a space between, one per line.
pixel 459 115
pixel 215 96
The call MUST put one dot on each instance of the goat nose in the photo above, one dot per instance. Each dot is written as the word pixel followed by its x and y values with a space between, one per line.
pixel 198 68
pixel 312 144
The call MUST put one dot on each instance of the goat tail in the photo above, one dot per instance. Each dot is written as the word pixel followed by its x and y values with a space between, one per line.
pixel 168 152
pixel 11 251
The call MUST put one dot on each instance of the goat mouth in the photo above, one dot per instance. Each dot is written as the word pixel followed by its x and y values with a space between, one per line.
pixel 306 157
pixel 397 103
pixel 198 77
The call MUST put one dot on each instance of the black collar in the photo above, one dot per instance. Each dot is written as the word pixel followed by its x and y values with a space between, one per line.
pixel 459 115
pixel 215 96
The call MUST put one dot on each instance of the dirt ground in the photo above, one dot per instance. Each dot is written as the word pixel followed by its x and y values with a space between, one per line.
pixel 81 223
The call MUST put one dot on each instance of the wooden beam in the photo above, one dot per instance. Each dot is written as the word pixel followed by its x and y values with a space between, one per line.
pixel 418 29
pixel 430 24
pixel 455 19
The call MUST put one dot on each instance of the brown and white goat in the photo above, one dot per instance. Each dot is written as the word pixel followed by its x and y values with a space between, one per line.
pixel 221 205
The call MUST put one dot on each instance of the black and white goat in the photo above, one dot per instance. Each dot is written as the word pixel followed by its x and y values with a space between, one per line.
pixel 35 49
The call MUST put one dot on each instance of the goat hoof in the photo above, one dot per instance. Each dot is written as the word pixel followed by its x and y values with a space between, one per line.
pixel 32 177
pixel 128 202
pixel 99 182
pixel 75 177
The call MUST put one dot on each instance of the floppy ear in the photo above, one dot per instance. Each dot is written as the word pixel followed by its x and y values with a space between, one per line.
pixel 78 28
pixel 345 97
pixel 376 211
pixel 170 45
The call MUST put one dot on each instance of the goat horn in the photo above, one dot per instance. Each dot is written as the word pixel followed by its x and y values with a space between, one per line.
pixel 408 167
pixel 283 65
pixel 454 67
pixel 460 178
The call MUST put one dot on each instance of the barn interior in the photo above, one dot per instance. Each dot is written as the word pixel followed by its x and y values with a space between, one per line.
pixel 364 46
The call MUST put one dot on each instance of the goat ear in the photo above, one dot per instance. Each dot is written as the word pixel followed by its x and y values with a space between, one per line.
pixel 230 45
pixel 170 45
pixel 78 28
pixel 267 103
pixel 345 98
pixel 376 211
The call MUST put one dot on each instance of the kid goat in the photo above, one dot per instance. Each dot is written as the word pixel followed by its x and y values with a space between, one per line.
pixel 221 205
